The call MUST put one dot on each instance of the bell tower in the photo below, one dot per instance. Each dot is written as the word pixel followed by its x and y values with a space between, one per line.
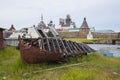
pixel 84 29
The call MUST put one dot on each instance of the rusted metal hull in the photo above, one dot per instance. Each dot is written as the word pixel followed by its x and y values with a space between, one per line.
pixel 50 49
pixel 32 54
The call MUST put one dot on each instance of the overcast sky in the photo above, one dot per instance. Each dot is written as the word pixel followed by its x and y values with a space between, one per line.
pixel 101 14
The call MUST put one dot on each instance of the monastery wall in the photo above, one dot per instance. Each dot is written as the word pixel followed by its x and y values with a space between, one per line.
pixel 69 34
pixel 95 35
pixel 105 35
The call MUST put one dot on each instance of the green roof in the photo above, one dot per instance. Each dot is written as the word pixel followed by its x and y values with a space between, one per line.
pixel 104 31
pixel 74 28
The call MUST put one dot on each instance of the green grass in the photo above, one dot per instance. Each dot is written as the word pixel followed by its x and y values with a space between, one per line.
pixel 93 67
pixel 85 40
pixel 80 40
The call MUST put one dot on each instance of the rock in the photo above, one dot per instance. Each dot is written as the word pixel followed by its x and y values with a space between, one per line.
pixel 26 75
pixel 115 73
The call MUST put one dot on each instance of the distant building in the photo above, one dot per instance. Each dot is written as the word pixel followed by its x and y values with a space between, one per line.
pixel 46 28
pixel 31 32
pixel 27 32
pixel 89 35
pixel 84 29
pixel 65 22
pixel 66 25
pixel 105 34
pixel 86 32
pixel 41 25
pixel 9 31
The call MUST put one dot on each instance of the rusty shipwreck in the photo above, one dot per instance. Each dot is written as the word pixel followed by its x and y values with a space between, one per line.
pixel 44 48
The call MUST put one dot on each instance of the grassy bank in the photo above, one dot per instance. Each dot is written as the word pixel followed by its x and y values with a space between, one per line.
pixel 80 40
pixel 92 67
pixel 89 41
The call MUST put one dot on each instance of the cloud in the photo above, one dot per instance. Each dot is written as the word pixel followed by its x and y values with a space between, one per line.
pixel 99 13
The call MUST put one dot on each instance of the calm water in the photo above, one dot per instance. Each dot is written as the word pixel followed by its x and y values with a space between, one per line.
pixel 107 49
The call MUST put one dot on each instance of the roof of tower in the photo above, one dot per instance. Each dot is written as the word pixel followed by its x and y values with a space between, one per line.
pixel 12 28
pixel 84 24
pixel 42 24
pixel 67 16
pixel 41 17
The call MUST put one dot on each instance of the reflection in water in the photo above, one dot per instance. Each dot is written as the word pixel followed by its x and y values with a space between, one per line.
pixel 107 50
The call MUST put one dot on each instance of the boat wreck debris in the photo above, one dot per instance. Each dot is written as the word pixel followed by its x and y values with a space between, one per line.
pixel 50 49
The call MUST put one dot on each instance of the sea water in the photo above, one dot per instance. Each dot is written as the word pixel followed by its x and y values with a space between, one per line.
pixel 107 49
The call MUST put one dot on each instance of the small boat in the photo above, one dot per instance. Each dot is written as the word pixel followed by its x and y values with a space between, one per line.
pixel 50 49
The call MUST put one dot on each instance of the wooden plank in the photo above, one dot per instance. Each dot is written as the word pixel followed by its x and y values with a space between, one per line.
pixel 81 46
pixel 43 44
pixel 90 49
pixel 58 46
pixel 53 45
pixel 79 49
pixel 72 48
pixel 48 44
pixel 67 47
pixel 64 48
pixel 75 47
